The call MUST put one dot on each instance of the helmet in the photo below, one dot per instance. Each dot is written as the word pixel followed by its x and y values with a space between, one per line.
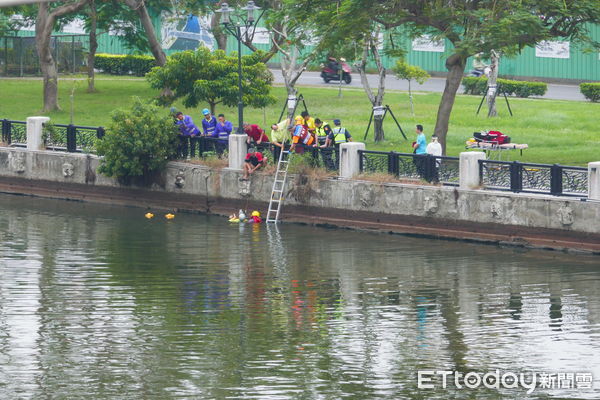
pixel 255 214
pixel 299 120
pixel 205 111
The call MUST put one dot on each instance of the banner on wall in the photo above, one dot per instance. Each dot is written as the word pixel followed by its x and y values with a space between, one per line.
pixel 261 35
pixel 427 43
pixel 553 49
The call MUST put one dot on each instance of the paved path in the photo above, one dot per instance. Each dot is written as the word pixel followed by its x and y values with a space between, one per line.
pixel 555 91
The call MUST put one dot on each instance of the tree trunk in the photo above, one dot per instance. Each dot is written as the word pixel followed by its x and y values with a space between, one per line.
pixel 47 63
pixel 155 47
pixel 456 68
pixel 493 84
pixel 378 127
pixel 217 31
pixel 410 98
pixel 44 25
pixel 93 47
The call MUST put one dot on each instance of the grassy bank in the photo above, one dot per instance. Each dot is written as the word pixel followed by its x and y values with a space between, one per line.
pixel 557 131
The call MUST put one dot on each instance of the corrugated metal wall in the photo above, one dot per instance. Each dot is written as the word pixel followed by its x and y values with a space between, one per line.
pixel 580 65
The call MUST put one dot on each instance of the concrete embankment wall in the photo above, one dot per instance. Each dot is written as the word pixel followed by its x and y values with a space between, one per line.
pixel 432 211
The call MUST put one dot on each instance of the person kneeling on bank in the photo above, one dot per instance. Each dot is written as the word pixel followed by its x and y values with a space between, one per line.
pixel 254 160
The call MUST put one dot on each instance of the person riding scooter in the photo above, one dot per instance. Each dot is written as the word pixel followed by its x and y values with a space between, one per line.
pixel 335 70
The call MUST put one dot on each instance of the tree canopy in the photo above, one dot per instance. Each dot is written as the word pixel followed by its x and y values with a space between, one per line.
pixel 212 77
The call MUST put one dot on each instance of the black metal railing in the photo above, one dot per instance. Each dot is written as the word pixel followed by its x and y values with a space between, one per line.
pixel 558 180
pixel 411 166
pixel 14 132
pixel 70 138
pixel 73 138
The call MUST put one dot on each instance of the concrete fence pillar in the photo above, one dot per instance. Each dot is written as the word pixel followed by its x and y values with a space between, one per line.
pixel 350 159
pixel 594 180
pixel 238 148
pixel 35 132
pixel 469 169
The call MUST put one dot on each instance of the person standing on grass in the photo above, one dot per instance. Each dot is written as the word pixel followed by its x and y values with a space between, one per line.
pixel 255 134
pixel 209 123
pixel 420 148
pixel 322 130
pixel 187 131
pixel 338 135
pixel 435 149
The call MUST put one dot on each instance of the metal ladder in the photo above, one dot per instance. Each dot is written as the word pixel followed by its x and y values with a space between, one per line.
pixel 278 186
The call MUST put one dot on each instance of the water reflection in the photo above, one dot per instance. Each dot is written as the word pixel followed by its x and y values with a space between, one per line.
pixel 99 302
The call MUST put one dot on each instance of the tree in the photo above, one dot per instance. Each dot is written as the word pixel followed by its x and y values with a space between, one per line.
pixel 492 83
pixel 138 144
pixel 139 6
pixel 93 26
pixel 44 26
pixel 470 26
pixel 483 26
pixel 404 70
pixel 211 77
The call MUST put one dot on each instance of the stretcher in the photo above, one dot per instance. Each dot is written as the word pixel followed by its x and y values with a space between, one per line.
pixel 495 151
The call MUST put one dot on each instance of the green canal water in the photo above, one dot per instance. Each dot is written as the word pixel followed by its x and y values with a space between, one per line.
pixel 97 302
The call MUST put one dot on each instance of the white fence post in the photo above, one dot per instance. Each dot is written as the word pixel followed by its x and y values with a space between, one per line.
pixel 594 180
pixel 238 148
pixel 469 169
pixel 350 159
pixel 35 132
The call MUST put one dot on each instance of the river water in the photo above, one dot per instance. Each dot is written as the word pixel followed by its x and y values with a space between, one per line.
pixel 99 302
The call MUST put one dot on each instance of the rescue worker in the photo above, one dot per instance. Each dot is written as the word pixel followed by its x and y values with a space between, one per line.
pixel 301 135
pixel 322 130
pixel 338 135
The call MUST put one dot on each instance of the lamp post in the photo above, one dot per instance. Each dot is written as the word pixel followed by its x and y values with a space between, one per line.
pixel 235 28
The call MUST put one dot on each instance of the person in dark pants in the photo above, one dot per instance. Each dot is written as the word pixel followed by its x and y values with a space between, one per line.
pixel 420 148
pixel 187 131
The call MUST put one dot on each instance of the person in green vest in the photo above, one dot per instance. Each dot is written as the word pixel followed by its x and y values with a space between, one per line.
pixel 322 130
pixel 338 135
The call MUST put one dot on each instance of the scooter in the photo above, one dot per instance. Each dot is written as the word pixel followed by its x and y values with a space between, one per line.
pixel 478 73
pixel 328 74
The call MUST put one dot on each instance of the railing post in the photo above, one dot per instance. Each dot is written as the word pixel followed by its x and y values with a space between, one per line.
pixel 349 159
pixel 556 181
pixel 594 180
pixel 71 138
pixel 469 169
pixel 516 177
pixel 6 136
pixel 361 165
pixel 237 151
pixel 35 132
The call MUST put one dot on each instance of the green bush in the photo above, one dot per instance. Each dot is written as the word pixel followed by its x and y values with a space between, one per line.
pixel 477 86
pixel 116 64
pixel 138 144
pixel 591 91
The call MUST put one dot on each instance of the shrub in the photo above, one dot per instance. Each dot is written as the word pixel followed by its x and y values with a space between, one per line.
pixel 138 144
pixel 477 86
pixel 116 64
pixel 591 91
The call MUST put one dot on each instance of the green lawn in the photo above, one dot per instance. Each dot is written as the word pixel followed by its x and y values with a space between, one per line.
pixel 564 132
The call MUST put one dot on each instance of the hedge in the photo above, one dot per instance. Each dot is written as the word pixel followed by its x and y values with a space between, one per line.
pixel 478 86
pixel 591 91
pixel 115 64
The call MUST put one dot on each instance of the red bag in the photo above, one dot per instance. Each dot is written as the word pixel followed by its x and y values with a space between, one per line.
pixel 497 137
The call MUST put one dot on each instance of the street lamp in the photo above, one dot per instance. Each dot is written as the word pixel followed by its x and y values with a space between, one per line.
pixel 235 28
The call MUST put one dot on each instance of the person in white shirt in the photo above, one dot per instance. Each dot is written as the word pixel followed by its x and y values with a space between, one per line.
pixel 435 149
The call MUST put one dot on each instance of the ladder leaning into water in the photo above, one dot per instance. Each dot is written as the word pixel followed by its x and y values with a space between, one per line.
pixel 278 186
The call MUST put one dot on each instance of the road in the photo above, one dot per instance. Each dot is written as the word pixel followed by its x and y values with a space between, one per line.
pixel 555 91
